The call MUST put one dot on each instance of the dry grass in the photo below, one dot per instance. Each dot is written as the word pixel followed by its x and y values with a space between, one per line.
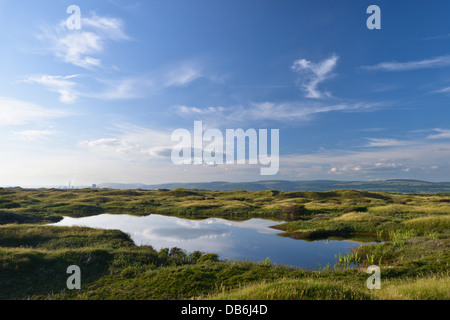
pixel 360 217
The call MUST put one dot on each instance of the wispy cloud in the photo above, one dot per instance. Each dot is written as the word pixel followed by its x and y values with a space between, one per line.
pixel 80 47
pixel 60 84
pixel 269 111
pixel 109 28
pixel 438 37
pixel 125 88
pixel 32 135
pixel 379 142
pixel 182 75
pixel 312 74
pixel 198 111
pixel 443 134
pixel 132 142
pixel 437 62
pixel 293 111
pixel 16 112
pixel 117 145
pixel 77 49
pixel 107 89
pixel 444 90
pixel 118 88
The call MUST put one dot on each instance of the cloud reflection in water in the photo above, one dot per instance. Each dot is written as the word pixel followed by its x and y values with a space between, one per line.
pixel 252 239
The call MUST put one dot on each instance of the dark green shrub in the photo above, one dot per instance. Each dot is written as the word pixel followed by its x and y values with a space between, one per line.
pixel 209 257
pixel 296 210
pixel 9 205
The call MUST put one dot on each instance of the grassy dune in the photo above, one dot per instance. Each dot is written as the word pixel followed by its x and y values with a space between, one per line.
pixel 412 230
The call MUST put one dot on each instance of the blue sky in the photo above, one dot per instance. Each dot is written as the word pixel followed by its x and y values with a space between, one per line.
pixel 99 104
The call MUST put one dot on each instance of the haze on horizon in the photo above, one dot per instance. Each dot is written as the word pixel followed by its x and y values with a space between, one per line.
pixel 99 104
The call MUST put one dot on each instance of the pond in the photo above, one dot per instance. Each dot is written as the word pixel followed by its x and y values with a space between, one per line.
pixel 252 239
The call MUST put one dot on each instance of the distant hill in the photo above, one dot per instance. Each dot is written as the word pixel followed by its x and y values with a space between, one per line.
pixel 392 185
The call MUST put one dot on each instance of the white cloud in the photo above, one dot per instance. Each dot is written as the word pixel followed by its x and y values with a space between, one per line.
pixel 112 28
pixel 16 112
pixel 378 142
pixel 298 111
pixel 177 75
pixel 312 74
pixel 268 111
pixel 76 48
pixel 129 87
pixel 198 111
pixel 182 75
pixel 126 88
pixel 79 47
pixel 164 152
pixel 422 158
pixel 111 144
pixel 32 135
pixel 99 143
pixel 443 134
pixel 444 90
pixel 438 62
pixel 132 142
pixel 59 84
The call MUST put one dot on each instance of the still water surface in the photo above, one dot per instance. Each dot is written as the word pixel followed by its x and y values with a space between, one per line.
pixel 252 239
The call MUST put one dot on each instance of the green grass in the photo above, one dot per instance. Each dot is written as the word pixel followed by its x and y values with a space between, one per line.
pixel 436 287
pixel 54 238
pixel 293 289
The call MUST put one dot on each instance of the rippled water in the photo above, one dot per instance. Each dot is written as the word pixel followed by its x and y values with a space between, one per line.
pixel 252 239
